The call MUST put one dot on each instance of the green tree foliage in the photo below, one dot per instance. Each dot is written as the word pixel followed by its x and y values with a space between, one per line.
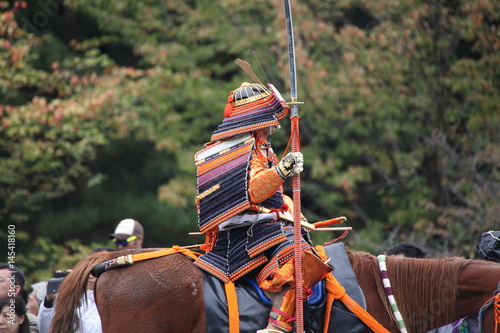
pixel 105 103
pixel 411 139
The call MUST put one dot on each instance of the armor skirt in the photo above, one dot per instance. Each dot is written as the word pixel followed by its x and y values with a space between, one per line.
pixel 240 250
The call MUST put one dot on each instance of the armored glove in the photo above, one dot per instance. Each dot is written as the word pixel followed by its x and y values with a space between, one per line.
pixel 292 164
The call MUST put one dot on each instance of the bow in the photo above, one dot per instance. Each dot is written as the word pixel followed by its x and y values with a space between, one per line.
pixel 295 139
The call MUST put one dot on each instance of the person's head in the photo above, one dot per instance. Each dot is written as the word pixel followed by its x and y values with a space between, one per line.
pixel 406 250
pixel 11 280
pixel 252 107
pixel 36 297
pixel 129 234
pixel 13 315
pixel 488 247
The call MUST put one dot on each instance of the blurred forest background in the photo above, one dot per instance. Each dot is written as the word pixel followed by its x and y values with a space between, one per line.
pixel 103 105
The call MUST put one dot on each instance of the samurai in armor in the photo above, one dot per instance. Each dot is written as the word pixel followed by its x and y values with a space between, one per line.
pixel 241 205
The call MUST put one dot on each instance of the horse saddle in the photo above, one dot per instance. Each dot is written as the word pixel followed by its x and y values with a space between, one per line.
pixel 254 306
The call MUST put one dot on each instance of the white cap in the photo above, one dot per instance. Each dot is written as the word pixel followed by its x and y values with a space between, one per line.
pixel 127 228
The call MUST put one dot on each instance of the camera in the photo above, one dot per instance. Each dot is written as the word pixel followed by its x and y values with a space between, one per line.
pixel 54 283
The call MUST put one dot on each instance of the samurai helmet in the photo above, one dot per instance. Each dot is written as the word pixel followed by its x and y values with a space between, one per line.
pixel 251 107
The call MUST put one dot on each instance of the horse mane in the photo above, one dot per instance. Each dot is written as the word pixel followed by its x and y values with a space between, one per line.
pixel 72 290
pixel 430 283
pixel 358 260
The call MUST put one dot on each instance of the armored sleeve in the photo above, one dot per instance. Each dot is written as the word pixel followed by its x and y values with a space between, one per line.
pixel 263 182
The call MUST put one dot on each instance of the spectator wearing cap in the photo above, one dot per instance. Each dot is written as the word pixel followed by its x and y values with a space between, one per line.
pixel 129 234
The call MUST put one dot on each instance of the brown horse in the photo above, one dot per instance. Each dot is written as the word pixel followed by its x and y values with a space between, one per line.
pixel 166 294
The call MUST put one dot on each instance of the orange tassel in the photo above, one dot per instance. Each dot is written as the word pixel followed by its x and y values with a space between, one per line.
pixel 229 106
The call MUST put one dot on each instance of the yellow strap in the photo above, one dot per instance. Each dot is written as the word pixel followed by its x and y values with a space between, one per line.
pixel 334 288
pixel 165 252
pixel 232 308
